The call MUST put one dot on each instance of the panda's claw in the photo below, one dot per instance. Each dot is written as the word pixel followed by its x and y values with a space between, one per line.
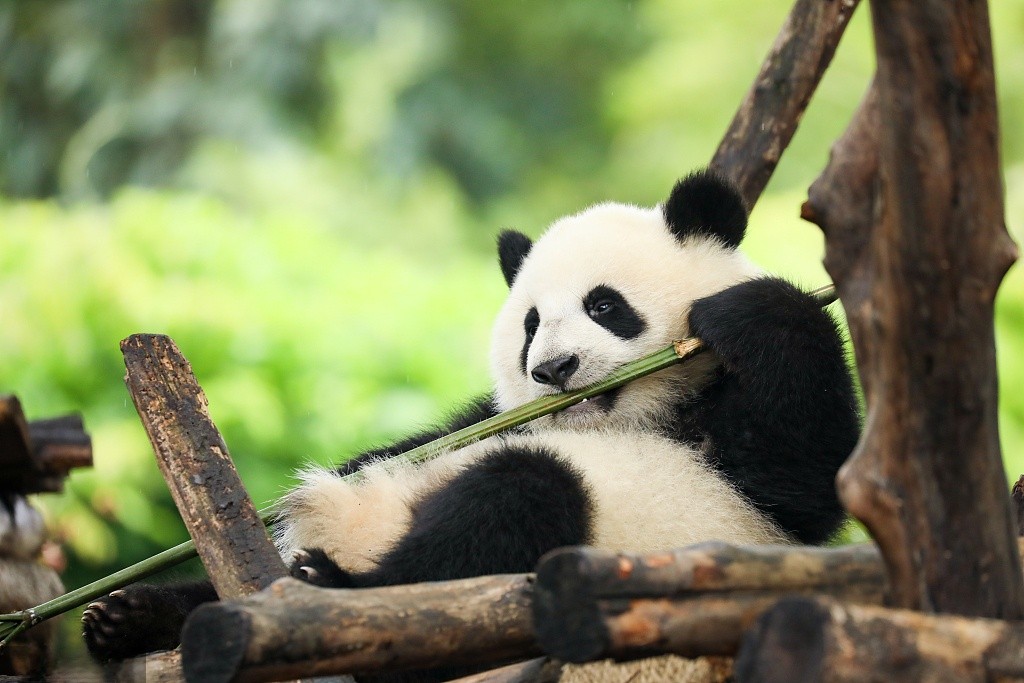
pixel 313 566
pixel 130 622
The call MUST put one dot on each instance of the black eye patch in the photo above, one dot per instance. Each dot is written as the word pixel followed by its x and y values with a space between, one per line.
pixel 530 324
pixel 609 309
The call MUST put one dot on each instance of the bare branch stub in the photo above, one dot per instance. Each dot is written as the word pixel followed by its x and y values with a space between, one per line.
pixel 228 533
pixel 36 457
pixel 917 251
pixel 768 117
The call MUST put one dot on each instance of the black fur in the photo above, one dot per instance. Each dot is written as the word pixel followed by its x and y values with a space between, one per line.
pixel 498 516
pixel 706 204
pixel 512 249
pixel 530 323
pixel 782 416
pixel 608 308
pixel 141 618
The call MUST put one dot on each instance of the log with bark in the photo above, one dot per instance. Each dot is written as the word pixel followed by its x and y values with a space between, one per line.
pixel 229 535
pixel 294 629
pixel 817 639
pixel 36 456
pixel 593 604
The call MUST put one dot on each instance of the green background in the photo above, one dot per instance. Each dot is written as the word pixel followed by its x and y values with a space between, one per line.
pixel 304 195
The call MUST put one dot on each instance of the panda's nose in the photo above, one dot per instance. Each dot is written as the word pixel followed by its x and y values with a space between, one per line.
pixel 556 372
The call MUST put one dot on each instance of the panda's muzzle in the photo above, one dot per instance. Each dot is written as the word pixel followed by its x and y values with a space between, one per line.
pixel 556 372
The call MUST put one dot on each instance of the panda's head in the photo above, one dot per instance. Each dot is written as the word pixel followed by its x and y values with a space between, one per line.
pixel 607 286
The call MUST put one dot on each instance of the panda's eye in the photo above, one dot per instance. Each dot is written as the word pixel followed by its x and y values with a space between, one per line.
pixel 531 323
pixel 602 307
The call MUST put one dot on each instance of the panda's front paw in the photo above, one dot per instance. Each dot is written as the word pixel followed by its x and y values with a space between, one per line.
pixel 749 324
pixel 312 565
pixel 131 622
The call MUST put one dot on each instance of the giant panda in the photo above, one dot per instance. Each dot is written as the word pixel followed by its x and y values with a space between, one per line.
pixel 742 445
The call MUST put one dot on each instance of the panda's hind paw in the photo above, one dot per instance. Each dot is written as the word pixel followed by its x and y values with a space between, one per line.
pixel 313 566
pixel 131 622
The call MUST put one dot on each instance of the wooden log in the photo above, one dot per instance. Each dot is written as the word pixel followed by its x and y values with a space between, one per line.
pixel 61 444
pixel 293 629
pixel 229 535
pixel 768 117
pixel 35 457
pixel 927 478
pixel 592 604
pixel 819 640
pixel 14 438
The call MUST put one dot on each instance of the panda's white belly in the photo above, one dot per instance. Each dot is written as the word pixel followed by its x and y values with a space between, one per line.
pixel 651 493
pixel 648 493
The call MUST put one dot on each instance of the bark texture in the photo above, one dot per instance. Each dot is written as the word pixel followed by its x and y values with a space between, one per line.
pixel 36 457
pixel 769 115
pixel 917 257
pixel 804 639
pixel 592 604
pixel 229 535
pixel 294 630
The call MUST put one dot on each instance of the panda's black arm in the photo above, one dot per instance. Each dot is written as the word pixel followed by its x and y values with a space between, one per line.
pixel 480 409
pixel 783 415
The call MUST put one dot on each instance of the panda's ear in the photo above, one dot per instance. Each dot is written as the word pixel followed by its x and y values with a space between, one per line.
pixel 512 249
pixel 706 204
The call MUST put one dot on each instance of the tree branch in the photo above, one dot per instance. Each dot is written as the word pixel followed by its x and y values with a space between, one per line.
pixel 768 117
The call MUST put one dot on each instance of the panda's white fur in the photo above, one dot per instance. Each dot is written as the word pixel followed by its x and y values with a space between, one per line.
pixel 636 478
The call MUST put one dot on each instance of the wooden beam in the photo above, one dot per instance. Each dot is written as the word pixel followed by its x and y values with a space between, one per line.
pixel 696 601
pixel 35 457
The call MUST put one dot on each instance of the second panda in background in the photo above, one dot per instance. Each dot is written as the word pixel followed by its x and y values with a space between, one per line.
pixel 742 446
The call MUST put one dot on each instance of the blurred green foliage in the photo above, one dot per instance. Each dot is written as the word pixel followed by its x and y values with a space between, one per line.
pixel 304 193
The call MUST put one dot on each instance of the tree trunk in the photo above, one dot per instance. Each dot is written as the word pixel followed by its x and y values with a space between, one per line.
pixel 918 285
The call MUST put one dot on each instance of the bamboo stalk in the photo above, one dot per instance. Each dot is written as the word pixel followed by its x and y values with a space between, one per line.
pixel 679 352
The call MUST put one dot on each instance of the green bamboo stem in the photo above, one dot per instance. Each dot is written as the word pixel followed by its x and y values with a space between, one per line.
pixel 680 351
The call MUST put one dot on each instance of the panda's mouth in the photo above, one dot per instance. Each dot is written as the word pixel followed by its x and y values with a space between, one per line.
pixel 601 403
